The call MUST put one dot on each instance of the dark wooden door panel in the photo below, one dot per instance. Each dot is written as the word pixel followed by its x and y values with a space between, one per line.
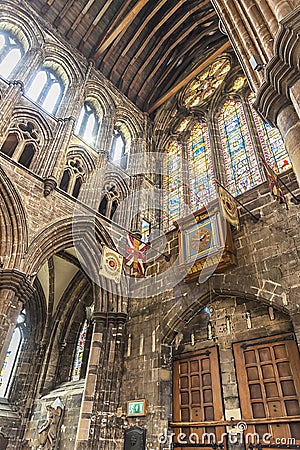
pixel 197 396
pixel 269 387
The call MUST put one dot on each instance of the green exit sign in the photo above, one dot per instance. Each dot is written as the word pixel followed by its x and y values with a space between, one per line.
pixel 136 408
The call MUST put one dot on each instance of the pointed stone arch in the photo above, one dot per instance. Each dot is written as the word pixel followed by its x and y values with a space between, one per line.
pixel 14 236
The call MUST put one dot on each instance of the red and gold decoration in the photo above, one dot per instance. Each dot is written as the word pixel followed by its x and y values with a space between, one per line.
pixel 205 241
pixel 274 184
pixel 135 250
pixel 111 264
pixel 228 207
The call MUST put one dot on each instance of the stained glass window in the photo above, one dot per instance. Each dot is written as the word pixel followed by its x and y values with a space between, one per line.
pixel 241 163
pixel 271 141
pixel 79 352
pixel 201 172
pixel 207 82
pixel 12 355
pixel 173 184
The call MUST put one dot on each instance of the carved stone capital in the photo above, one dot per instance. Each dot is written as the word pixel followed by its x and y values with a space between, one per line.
pixel 49 184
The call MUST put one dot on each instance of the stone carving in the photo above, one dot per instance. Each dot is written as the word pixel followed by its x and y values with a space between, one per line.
pixel 49 430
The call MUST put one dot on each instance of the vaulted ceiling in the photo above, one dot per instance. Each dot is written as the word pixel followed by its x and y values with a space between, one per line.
pixel 144 47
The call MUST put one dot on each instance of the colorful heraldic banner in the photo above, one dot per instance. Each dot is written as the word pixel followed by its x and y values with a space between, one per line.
pixel 135 254
pixel 274 185
pixel 229 207
pixel 111 264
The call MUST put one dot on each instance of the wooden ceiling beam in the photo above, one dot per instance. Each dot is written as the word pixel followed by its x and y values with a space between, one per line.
pixel 157 48
pixel 189 77
pixel 133 39
pixel 96 21
pixel 148 39
pixel 187 32
pixel 122 27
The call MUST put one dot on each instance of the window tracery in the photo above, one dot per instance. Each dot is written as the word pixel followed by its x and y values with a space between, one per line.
pixel 240 135
pixel 46 89
pixel 201 172
pixel 22 142
pixel 241 164
pixel 207 83
pixel 88 124
pixel 109 202
pixel 73 176
pixel 119 151
pixel 11 52
pixel 173 184
pixel 271 141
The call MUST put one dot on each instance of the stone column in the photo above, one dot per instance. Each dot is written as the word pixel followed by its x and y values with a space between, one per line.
pixel 97 423
pixel 15 291
pixel 91 190
pixel 225 310
pixel 11 96
pixel 289 125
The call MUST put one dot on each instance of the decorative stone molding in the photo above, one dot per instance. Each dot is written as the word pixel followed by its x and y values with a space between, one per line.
pixel 49 185
pixel 18 282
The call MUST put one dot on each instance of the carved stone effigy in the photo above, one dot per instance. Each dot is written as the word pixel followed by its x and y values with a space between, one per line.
pixel 49 430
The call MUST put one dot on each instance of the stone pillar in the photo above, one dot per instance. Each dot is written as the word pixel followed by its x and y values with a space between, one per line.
pixel 91 190
pixel 15 291
pixel 52 164
pixel 225 309
pixel 238 34
pixel 97 423
pixel 11 96
pixel 289 125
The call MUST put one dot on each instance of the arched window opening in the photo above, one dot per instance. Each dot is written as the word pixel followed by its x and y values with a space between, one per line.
pixel 241 165
pixel 118 154
pixel 103 205
pixel 10 144
pixel 11 51
pixel 64 183
pixel 79 352
pixel 77 187
pixel 27 155
pixel 202 184
pixel 114 207
pixel 87 125
pixel 173 184
pixel 46 89
pixel 271 141
pixel 10 362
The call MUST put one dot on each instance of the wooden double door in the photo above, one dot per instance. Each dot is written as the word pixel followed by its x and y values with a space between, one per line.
pixel 268 375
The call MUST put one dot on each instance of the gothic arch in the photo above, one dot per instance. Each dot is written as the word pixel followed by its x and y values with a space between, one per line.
pixel 22 115
pixel 27 29
pixel 82 231
pixel 83 155
pixel 68 67
pixel 113 178
pixel 14 237
pixel 186 307
pixel 100 93
pixel 126 118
